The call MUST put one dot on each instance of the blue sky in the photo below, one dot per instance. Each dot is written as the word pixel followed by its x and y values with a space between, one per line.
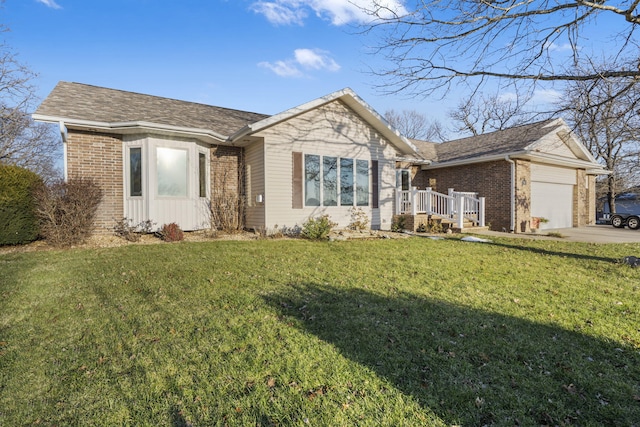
pixel 257 55
pixel 262 56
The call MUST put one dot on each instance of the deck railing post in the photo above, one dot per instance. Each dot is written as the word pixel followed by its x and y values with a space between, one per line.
pixel 450 203
pixel 414 200
pixel 461 211
pixel 428 201
pixel 481 212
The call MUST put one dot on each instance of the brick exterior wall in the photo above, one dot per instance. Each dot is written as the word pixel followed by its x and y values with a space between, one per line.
pixel 99 156
pixel 522 220
pixel 584 200
pixel 490 180
pixel 227 179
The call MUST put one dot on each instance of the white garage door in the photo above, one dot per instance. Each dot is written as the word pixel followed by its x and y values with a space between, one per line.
pixel 554 202
pixel 552 195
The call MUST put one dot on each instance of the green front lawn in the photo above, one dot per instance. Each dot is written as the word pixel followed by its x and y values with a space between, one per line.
pixel 385 332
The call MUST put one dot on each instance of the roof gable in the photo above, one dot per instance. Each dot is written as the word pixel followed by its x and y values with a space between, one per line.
pixel 351 100
pixel 551 138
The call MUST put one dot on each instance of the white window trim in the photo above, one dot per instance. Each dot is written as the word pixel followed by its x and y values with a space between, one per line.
pixel 355 182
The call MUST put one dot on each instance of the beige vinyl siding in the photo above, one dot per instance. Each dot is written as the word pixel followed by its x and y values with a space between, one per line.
pixel 553 144
pixel 255 185
pixel 136 209
pixel 331 130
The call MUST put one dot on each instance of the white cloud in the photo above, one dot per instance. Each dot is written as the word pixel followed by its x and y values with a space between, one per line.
pixel 50 3
pixel 282 68
pixel 339 12
pixel 280 14
pixel 303 60
pixel 315 59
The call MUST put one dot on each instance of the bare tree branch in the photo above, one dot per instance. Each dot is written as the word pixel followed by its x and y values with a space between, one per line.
pixel 604 115
pixel 22 141
pixel 438 42
pixel 416 125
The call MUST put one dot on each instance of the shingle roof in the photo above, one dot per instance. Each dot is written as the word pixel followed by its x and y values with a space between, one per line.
pixel 85 102
pixel 500 142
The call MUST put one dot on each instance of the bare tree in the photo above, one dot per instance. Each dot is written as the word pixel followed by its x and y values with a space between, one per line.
pixel 416 125
pixel 436 42
pixel 479 113
pixel 608 123
pixel 22 141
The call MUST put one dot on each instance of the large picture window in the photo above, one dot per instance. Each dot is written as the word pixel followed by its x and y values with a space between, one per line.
pixel 172 172
pixel 332 179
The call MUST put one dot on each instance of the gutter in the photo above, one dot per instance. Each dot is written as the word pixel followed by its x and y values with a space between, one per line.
pixel 512 225
pixel 134 126
pixel 64 135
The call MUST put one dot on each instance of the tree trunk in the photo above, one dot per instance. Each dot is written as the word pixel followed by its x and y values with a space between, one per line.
pixel 611 193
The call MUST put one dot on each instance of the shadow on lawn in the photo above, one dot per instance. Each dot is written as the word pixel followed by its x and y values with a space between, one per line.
pixel 472 367
pixel 542 251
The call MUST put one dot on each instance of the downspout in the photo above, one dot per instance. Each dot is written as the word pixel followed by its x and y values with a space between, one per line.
pixel 64 135
pixel 512 225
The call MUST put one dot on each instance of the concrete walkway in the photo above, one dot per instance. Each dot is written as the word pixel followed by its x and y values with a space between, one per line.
pixel 589 234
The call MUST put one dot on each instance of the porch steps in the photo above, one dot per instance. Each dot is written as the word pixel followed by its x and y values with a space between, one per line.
pixel 452 224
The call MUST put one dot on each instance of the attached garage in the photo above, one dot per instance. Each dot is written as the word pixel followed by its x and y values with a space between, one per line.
pixel 552 193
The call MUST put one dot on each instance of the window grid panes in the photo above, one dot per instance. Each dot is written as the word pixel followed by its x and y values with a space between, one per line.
pixel 329 179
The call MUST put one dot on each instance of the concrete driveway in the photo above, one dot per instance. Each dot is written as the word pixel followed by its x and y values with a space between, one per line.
pixel 589 234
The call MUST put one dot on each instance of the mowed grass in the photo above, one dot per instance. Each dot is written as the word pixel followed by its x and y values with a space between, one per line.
pixel 294 333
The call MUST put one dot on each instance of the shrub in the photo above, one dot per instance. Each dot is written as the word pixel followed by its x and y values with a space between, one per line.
pixel 399 223
pixel 130 232
pixel 359 219
pixel 171 233
pixel 18 221
pixel 317 228
pixel 67 210
pixel 227 204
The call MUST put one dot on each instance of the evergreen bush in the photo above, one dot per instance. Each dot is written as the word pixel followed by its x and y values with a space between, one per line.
pixel 18 221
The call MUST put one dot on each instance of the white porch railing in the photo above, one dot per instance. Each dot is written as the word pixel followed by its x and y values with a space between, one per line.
pixel 456 205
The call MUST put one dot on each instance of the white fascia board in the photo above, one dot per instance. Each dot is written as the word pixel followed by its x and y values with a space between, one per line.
pixel 413 160
pixel 349 97
pixel 591 167
pixel 134 127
